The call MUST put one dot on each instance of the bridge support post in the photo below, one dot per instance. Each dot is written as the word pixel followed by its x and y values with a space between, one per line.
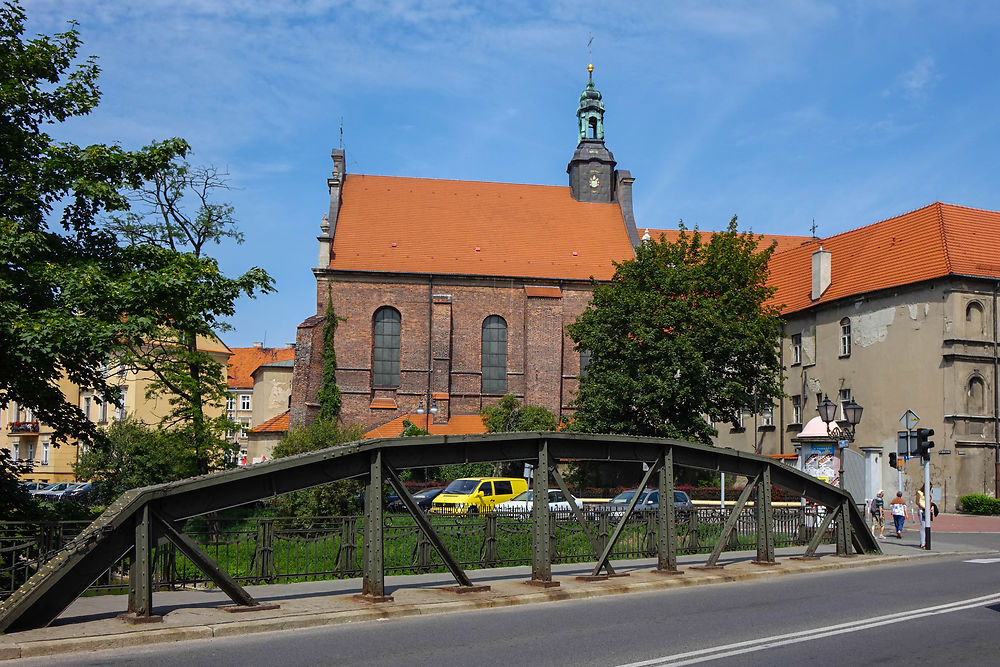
pixel 713 558
pixel 817 537
pixel 541 545
pixel 604 559
pixel 844 529
pixel 764 512
pixel 373 567
pixel 140 575
pixel 666 514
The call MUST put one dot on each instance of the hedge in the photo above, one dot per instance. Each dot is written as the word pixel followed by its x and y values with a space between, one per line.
pixel 980 503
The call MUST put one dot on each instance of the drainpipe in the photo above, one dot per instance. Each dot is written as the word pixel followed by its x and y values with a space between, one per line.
pixel 430 349
pixel 781 401
pixel 996 400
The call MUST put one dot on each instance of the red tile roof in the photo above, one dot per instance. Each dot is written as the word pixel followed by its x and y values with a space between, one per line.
pixel 277 424
pixel 930 242
pixel 424 225
pixel 782 241
pixel 457 425
pixel 245 360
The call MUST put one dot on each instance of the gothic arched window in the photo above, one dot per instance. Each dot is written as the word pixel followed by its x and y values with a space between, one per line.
pixel 494 355
pixel 977 396
pixel 385 347
pixel 974 319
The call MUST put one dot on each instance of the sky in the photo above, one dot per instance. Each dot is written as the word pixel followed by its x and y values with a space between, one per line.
pixel 780 112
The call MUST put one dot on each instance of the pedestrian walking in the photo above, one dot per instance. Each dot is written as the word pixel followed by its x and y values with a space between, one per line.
pixel 878 515
pixel 922 516
pixel 898 510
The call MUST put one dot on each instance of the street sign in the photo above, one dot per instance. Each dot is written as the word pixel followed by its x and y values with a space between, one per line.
pixel 909 420
pixel 843 443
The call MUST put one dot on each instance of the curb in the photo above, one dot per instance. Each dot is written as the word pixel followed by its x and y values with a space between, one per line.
pixel 785 567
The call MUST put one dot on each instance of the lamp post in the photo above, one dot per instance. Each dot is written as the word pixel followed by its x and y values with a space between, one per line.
pixel 433 410
pixel 827 410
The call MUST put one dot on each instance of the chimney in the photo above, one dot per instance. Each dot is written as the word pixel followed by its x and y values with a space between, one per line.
pixel 820 273
pixel 258 344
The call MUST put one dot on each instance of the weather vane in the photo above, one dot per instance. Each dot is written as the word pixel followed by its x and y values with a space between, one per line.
pixel 590 51
pixel 813 228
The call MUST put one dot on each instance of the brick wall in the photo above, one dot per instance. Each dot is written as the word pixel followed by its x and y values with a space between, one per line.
pixel 442 316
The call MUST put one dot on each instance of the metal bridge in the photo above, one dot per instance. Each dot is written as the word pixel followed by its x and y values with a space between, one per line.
pixel 140 518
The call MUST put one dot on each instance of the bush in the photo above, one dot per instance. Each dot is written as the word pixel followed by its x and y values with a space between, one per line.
pixel 336 498
pixel 980 503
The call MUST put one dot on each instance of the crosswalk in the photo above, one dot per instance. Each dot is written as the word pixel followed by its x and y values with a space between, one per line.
pixel 983 561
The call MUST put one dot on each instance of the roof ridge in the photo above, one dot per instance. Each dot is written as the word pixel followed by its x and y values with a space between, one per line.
pixel 459 180
pixel 944 236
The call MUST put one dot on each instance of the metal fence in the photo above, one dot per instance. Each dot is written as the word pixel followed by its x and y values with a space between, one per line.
pixel 287 549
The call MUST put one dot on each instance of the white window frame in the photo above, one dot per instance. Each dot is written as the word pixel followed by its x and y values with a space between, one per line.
pixel 31 452
pixel 245 402
pixel 245 428
pixel 231 403
pixel 87 407
pixel 119 414
pixel 845 337
pixel 843 398
pixel 15 449
pixel 45 452
pixel 796 349
pixel 796 409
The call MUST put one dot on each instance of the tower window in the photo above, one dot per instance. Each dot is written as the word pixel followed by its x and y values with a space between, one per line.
pixel 494 353
pixel 592 128
pixel 385 362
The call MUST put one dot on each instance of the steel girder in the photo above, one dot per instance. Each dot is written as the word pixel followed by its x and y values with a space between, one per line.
pixel 113 535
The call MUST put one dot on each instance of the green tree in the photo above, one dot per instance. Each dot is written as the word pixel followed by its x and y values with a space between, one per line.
pixel 336 498
pixel 174 220
pixel 508 415
pixel 132 455
pixel 65 284
pixel 681 335
pixel 329 392
pixel 68 292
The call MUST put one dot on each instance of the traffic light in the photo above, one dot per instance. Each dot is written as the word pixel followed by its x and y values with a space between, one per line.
pixel 893 460
pixel 923 444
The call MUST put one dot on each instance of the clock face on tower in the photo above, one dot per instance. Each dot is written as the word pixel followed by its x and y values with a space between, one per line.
pixel 594 181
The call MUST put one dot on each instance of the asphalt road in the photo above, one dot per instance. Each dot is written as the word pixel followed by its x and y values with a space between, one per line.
pixel 934 612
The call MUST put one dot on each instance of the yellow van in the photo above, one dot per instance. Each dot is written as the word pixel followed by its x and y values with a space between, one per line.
pixel 475 495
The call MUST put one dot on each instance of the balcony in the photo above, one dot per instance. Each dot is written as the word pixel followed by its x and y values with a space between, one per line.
pixel 23 427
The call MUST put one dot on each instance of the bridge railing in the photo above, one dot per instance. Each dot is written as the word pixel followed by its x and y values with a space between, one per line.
pixel 289 549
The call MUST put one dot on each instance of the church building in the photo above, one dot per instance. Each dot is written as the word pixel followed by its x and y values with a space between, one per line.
pixel 454 293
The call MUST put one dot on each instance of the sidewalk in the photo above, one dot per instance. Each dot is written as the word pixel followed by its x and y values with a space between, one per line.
pixel 90 623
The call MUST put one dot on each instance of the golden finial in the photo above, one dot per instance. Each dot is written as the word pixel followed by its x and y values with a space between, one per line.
pixel 590 68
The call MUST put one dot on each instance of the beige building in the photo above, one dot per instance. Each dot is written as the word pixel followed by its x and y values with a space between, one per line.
pixel 260 388
pixel 899 315
pixel 30 440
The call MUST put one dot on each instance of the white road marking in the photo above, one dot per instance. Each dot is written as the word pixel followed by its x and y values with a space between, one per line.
pixel 750 646
pixel 983 560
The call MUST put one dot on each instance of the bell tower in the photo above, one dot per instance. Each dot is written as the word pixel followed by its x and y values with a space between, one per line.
pixel 592 169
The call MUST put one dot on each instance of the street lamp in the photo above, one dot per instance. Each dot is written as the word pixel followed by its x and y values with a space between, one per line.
pixel 827 410
pixel 433 411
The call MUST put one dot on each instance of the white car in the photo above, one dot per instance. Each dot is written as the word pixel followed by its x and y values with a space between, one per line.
pixel 523 502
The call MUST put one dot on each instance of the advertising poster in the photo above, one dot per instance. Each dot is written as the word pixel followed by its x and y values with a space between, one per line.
pixel 823 462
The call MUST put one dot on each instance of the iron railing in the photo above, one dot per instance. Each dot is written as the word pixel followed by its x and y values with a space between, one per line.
pixel 290 549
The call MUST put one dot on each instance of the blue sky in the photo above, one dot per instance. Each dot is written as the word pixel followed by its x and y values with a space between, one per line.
pixel 779 112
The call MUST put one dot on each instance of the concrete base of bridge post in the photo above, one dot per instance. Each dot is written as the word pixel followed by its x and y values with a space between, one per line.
pixel 707 567
pixel 481 588
pixel 541 583
pixel 804 557
pixel 239 608
pixel 592 577
pixel 373 598
pixel 667 571
pixel 764 562
pixel 137 619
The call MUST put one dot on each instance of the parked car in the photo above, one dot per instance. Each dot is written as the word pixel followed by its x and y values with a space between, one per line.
pixel 423 499
pixel 78 492
pixel 523 502
pixel 34 487
pixel 474 495
pixel 53 491
pixel 649 499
